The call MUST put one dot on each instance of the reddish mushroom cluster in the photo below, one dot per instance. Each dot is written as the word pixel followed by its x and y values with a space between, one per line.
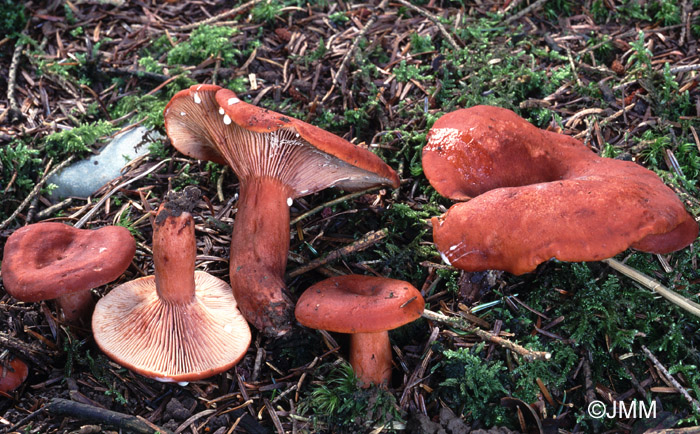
pixel 535 195
pixel 276 159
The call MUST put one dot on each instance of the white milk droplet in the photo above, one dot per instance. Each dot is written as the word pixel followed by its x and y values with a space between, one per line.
pixel 182 113
pixel 232 101
pixel 227 120
pixel 289 201
pixel 197 99
pixel 221 110
pixel 444 259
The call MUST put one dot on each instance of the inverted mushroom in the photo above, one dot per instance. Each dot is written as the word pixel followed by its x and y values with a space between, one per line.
pixel 537 195
pixel 179 325
pixel 367 308
pixel 50 260
pixel 276 159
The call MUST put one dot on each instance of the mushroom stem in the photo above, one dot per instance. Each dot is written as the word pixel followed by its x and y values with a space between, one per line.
pixel 174 253
pixel 259 246
pixel 370 357
pixel 77 306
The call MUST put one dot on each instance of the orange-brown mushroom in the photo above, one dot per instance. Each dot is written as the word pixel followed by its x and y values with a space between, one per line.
pixel 45 261
pixel 365 307
pixel 179 325
pixel 276 159
pixel 13 372
pixel 537 195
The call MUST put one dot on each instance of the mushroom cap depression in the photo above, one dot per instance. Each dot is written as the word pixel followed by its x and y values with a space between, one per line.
pixel 43 261
pixel 539 195
pixel 134 327
pixel 359 304
pixel 211 123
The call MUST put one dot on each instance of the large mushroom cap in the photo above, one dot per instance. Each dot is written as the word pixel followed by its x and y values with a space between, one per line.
pixel 359 304
pixel 541 195
pixel 44 261
pixel 210 123
pixel 171 341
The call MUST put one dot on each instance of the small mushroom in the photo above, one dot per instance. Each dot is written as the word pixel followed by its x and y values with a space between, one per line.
pixel 179 325
pixel 277 159
pixel 367 308
pixel 50 260
pixel 537 195
pixel 13 372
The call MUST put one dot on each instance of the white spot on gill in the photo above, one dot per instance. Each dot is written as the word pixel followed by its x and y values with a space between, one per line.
pixel 289 201
pixel 102 249
pixel 221 110
pixel 444 259
pixel 232 101
pixel 227 120
pixel 228 328
pixel 182 113
pixel 197 99
pixel 453 247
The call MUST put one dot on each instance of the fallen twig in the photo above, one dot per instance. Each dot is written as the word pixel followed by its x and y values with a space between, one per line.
pixel 64 407
pixel 435 19
pixel 525 11
pixel 97 206
pixel 35 191
pixel 13 111
pixel 335 201
pixel 219 17
pixel 654 285
pixel 462 324
pixel 361 244
pixel 671 379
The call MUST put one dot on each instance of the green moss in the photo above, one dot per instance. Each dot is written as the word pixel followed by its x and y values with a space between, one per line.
pixel 204 42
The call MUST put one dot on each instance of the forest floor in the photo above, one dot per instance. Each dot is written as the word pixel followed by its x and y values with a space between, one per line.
pixel 620 75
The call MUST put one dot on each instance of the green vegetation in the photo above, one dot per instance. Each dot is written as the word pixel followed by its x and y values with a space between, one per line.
pixel 341 405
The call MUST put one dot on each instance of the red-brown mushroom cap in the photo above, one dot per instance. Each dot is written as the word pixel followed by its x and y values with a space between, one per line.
pixel 577 207
pixel 43 261
pixel 12 374
pixel 359 304
pixel 210 123
pixel 172 341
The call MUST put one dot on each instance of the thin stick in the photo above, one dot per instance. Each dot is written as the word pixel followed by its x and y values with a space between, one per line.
pixel 359 245
pixel 219 17
pixel 64 407
pixel 35 191
pixel 335 201
pixel 525 11
pixel 671 379
pixel 462 324
pixel 97 206
pixel 435 19
pixel 654 285
pixel 14 109
pixel 353 47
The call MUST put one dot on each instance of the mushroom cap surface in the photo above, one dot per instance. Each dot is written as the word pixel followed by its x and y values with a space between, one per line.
pixel 43 261
pixel 211 123
pixel 359 304
pixel 541 195
pixel 172 341
pixel 12 374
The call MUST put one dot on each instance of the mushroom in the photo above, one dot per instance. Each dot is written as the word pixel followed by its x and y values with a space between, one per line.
pixel 179 325
pixel 51 260
pixel 13 372
pixel 365 307
pixel 536 195
pixel 277 159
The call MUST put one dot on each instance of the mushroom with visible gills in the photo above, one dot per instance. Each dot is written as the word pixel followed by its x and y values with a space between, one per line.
pixel 179 325
pixel 365 307
pixel 50 260
pixel 276 159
